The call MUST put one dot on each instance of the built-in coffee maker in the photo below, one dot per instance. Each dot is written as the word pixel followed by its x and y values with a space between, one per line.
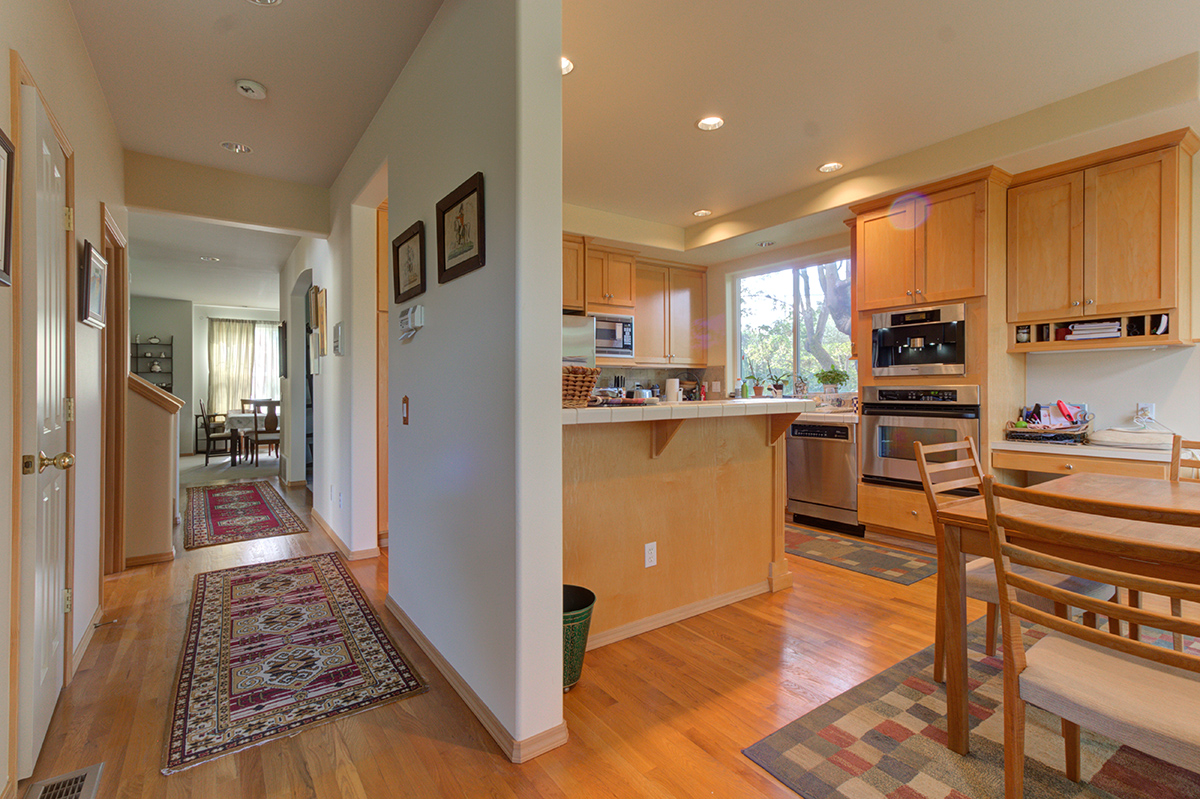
pixel 919 341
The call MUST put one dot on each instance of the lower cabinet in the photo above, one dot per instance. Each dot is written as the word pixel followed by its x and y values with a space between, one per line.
pixel 1067 463
pixel 670 316
pixel 899 509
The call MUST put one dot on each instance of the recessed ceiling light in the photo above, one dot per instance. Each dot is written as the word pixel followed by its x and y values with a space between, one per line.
pixel 235 147
pixel 264 2
pixel 832 166
pixel 702 212
pixel 251 89
pixel 766 244
pixel 212 258
pixel 710 123
pixel 567 66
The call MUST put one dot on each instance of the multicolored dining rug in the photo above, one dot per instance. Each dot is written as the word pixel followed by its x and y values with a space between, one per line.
pixel 272 648
pixel 855 554
pixel 222 514
pixel 886 738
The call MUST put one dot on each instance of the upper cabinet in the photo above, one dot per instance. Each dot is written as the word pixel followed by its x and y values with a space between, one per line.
pixel 609 280
pixel 670 322
pixel 572 272
pixel 925 246
pixel 1099 241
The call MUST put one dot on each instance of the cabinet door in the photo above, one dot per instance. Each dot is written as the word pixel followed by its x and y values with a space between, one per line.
pixel 650 344
pixel 886 252
pixel 688 338
pixel 1045 249
pixel 619 279
pixel 596 263
pixel 1130 235
pixel 951 255
pixel 572 273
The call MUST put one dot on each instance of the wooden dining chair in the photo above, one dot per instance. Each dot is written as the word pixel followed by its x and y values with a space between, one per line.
pixel 955 466
pixel 1137 693
pixel 1190 460
pixel 214 434
pixel 257 435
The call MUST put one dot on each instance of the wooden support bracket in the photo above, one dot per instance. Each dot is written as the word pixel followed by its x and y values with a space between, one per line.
pixel 663 431
pixel 778 424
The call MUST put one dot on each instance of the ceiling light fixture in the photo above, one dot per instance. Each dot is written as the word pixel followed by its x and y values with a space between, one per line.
pixel 710 123
pixel 702 212
pixel 832 166
pixel 212 258
pixel 264 2
pixel 251 89
pixel 766 244
pixel 567 66
pixel 235 147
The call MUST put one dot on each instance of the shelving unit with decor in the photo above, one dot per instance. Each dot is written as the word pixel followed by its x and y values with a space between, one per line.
pixel 1135 330
pixel 144 355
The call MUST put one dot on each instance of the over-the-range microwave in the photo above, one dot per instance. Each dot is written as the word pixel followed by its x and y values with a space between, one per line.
pixel 614 336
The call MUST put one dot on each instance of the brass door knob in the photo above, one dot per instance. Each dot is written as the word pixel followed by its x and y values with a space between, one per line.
pixel 63 461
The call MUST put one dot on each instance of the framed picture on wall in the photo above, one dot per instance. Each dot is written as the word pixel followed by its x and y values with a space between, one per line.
pixel 283 349
pixel 310 308
pixel 460 230
pixel 314 359
pixel 408 262
pixel 322 327
pixel 6 214
pixel 93 287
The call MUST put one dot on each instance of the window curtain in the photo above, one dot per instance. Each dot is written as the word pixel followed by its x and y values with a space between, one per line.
pixel 230 363
pixel 264 379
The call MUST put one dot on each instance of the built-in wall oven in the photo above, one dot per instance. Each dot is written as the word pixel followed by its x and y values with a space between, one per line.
pixel 919 341
pixel 893 418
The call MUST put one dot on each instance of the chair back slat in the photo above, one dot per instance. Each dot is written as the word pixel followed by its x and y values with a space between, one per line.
pixel 1078 551
pixel 938 478
pixel 934 467
pixel 1190 460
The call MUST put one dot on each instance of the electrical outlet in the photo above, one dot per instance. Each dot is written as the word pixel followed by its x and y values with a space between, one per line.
pixel 1145 410
pixel 651 554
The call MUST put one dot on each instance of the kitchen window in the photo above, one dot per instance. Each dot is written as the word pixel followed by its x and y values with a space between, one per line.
pixel 796 319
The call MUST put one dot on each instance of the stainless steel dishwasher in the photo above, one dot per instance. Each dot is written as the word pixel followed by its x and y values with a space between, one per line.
pixel 822 473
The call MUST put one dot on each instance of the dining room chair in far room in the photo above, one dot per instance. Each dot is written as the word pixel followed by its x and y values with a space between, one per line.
pixel 214 434
pixel 258 435
pixel 1185 454
pixel 954 467
pixel 1136 693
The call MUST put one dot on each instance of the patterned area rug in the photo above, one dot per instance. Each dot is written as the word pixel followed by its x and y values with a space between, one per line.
pixel 272 648
pixel 855 554
pixel 222 514
pixel 886 738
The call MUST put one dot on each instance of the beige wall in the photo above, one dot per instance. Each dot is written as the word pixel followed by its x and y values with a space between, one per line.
pixel 152 474
pixel 48 40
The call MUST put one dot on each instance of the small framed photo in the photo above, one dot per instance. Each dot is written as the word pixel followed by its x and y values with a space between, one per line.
pixel 322 328
pixel 460 230
pixel 314 359
pixel 310 308
pixel 408 262
pixel 283 364
pixel 6 214
pixel 94 287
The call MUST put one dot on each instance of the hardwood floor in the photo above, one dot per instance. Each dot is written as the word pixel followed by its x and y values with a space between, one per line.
pixel 664 714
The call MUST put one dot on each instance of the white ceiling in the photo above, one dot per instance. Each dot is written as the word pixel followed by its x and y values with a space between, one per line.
pixel 798 83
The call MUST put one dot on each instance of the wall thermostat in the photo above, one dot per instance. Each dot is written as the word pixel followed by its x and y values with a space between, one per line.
pixel 412 319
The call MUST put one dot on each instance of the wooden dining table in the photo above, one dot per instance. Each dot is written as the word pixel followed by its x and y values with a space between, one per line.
pixel 966 532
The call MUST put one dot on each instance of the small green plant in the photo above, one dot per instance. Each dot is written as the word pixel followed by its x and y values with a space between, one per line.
pixel 777 379
pixel 832 376
pixel 752 378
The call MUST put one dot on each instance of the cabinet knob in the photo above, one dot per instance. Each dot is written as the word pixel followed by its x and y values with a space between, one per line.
pixel 918 291
pixel 1076 302
pixel 1090 302
pixel 909 293
pixel 913 512
pixel 1069 467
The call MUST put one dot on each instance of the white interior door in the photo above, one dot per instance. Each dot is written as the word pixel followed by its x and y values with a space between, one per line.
pixel 43 425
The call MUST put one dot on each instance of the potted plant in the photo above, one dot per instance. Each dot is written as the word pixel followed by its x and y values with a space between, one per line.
pixel 831 378
pixel 776 381
pixel 755 380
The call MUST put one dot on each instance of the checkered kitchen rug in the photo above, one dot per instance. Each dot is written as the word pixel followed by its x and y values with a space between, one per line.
pixel 886 738
pixel 855 554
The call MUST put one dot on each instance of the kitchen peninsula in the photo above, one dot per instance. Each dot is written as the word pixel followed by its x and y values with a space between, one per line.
pixel 705 482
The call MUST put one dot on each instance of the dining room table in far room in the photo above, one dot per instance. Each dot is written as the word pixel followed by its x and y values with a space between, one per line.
pixel 966 532
pixel 241 421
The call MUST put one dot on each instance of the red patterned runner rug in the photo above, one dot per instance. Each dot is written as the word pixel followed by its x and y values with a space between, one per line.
pixel 222 514
pixel 272 648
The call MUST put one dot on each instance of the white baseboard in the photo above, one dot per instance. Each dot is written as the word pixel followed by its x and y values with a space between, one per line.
pixel 611 636
pixel 81 647
pixel 342 549
pixel 516 751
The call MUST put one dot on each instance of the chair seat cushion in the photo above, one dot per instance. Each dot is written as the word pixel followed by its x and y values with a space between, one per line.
pixel 981 584
pixel 1150 706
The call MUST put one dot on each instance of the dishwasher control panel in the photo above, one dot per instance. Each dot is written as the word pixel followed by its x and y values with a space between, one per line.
pixel 837 432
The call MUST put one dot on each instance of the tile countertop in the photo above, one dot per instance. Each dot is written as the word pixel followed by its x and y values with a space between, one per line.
pixel 1084 451
pixel 694 410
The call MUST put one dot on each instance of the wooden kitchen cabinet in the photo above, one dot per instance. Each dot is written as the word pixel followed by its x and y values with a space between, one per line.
pixel 900 511
pixel 1101 238
pixel 609 278
pixel 670 318
pixel 925 246
pixel 572 266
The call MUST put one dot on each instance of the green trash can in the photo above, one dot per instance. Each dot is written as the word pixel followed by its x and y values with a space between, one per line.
pixel 577 617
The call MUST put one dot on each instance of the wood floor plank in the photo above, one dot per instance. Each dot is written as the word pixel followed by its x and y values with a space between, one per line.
pixel 660 715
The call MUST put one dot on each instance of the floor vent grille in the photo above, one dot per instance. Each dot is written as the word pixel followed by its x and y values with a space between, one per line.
pixel 80 784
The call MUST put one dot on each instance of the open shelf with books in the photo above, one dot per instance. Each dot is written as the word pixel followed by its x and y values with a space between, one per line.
pixel 1157 329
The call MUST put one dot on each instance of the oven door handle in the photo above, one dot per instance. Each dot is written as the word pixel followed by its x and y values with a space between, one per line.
pixel 924 413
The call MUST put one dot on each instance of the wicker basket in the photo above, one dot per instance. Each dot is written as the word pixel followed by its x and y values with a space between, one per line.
pixel 577 385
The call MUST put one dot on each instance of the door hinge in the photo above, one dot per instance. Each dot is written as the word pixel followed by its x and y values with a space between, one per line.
pixel 69 408
pixel 28 465
pixel 68 219
pixel 67 592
